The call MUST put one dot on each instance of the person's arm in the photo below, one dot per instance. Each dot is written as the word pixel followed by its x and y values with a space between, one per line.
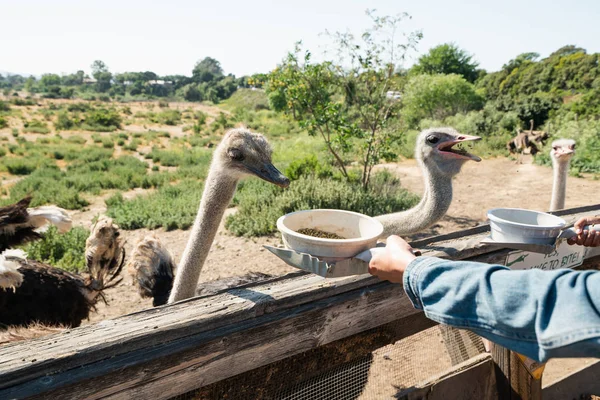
pixel 540 314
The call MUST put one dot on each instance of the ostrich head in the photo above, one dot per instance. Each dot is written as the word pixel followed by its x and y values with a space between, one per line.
pixel 242 152
pixel 562 150
pixel 104 255
pixel 435 148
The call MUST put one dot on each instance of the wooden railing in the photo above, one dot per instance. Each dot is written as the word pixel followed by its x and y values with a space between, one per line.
pixel 162 352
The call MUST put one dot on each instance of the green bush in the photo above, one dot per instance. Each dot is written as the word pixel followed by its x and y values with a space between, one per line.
pixel 4 106
pixel 167 117
pixel 64 122
pixel 260 203
pixel 21 166
pixel 3 122
pixel 65 251
pixel 35 126
pixel 309 166
pixel 171 207
pixel 102 120
pixel 49 188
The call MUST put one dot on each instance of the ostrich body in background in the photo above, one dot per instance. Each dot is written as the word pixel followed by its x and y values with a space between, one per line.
pixel 561 154
pixel 439 162
pixel 51 296
pixel 239 154
pixel 20 224
pixel 153 271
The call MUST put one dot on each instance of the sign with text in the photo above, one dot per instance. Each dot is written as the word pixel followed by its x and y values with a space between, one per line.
pixel 565 256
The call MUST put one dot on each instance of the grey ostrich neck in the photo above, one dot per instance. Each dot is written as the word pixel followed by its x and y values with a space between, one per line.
pixel 559 186
pixel 218 192
pixel 433 206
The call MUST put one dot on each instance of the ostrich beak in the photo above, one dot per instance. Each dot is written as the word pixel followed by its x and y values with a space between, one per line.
pixel 447 150
pixel 269 173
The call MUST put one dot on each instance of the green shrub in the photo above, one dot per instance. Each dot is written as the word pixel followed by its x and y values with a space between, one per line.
pixel 132 145
pixel 76 139
pixel 260 203
pixel 102 119
pixel 167 117
pixel 171 207
pixel 108 142
pixel 65 251
pixel 4 106
pixel 35 126
pixel 21 166
pixel 49 187
pixel 3 122
pixel 23 102
pixel 78 107
pixel 308 166
pixel 64 122
pixel 163 104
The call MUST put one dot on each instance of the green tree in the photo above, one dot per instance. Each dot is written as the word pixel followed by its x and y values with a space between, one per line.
pixel 49 80
pixel 346 102
pixel 207 70
pixel 102 75
pixel 438 97
pixel 447 59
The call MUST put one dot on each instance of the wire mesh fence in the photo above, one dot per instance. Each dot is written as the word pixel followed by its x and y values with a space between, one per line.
pixel 384 373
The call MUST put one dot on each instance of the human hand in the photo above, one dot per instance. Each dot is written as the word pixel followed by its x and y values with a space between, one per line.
pixel 391 264
pixel 588 238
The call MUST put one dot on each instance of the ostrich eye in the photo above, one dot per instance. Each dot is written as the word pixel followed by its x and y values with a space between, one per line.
pixel 432 139
pixel 555 148
pixel 235 154
pixel 573 147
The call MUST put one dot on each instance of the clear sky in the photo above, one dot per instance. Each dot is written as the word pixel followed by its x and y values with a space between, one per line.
pixel 249 36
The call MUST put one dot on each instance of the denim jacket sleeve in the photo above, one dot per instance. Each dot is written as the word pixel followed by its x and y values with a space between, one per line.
pixel 540 314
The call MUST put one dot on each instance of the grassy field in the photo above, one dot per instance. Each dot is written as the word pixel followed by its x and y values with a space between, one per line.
pixel 69 152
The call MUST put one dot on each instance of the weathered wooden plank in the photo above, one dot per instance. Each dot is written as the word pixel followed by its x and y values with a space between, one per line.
pixel 472 380
pixel 106 339
pixel 182 365
pixel 585 381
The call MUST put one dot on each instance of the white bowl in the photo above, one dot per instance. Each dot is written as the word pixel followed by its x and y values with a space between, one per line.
pixel 361 232
pixel 516 225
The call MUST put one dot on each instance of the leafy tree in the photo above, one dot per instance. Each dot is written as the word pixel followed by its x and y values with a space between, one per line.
pixel 437 97
pixel 447 59
pixel 102 75
pixel 345 101
pixel 207 70
pixel 75 79
pixel 49 80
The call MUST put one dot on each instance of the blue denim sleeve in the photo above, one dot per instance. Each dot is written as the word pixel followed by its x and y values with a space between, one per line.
pixel 540 314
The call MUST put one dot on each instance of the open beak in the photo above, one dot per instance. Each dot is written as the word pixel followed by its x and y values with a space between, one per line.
pixel 447 149
pixel 269 173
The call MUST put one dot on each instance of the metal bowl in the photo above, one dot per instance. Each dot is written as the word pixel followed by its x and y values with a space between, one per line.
pixel 361 232
pixel 517 225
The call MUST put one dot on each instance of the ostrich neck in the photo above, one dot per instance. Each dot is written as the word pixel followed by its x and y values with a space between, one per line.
pixel 432 207
pixel 559 186
pixel 217 195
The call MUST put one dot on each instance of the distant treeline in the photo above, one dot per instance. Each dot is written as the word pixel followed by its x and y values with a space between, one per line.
pixel 208 82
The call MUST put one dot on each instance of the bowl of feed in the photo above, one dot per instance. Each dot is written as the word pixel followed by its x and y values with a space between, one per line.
pixel 516 225
pixel 329 234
